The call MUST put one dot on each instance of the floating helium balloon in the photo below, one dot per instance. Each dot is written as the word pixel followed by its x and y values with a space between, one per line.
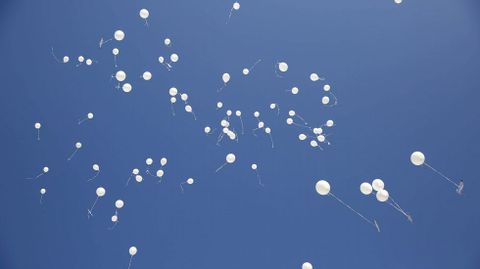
pixel 378 184
pixel 418 159
pixel 96 169
pixel 225 79
pixel 366 188
pixel 163 161
pixel 168 66
pixel 238 113
pixel 254 167
pixel 147 76
pixel 119 35
pixel 207 130
pixel 382 195
pixel 78 146
pixel 132 251
pixel 88 117
pixel 174 58
pixel 235 7
pixel 120 75
pixel 398 1
pixel 229 159
pixel 100 192
pixel 127 87
pixel 275 106
pixel 43 191
pixel 247 71
pixel 144 14
pixel 314 77
pixel 307 265
pixel 115 53
pixel 189 109
pixel 323 188
pixel 167 41
pixel 45 170
pixel 189 181
pixel 38 126
pixel 294 90
pixel 118 205
pixel 292 113
pixel 219 105
pixel 326 99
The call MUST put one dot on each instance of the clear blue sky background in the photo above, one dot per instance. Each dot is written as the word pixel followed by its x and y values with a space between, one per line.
pixel 407 78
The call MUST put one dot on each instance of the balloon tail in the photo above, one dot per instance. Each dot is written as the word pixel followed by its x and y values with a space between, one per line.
pixel 218 169
pixel 241 122
pixel 259 179
pixel 128 180
pixel 113 226
pixel 445 177
pixel 38 135
pixel 271 140
pixel 130 262
pixel 73 155
pixel 41 198
pixel 95 176
pixel 90 211
pixel 374 222
pixel 81 121
pixel 302 119
pixel 54 56
pixel 181 186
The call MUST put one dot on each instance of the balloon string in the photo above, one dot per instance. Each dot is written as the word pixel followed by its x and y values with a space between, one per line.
pixel 181 186
pixel 90 212
pixel 302 119
pixel 130 262
pixel 335 98
pixel 73 154
pixel 303 126
pixel 115 60
pixel 38 135
pixel 253 66
pixel 271 140
pixel 275 64
pixel 194 117
pixel 41 197
pixel 128 180
pixel 95 176
pixel 442 175
pixel 114 225
pixel 229 15
pixel 399 209
pixel 54 56
pixel 81 121
pixel 353 210
pixel 218 169
pixel 39 175
pixel 241 121
pixel 259 179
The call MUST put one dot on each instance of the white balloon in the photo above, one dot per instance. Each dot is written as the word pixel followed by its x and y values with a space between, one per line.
pixel 120 75
pixel 302 137
pixel 90 115
pixel 149 161
pixel 207 129
pixel 378 184
pixel 138 178
pixel 190 181
pixel 100 191
pixel 43 191
pixel 163 161
pixel 188 108
pixel 226 77
pixel 173 100
pixel 238 113
pixel 147 75
pixel 254 166
pixel 317 131
pixel 127 87
pixel 283 67
pixel 172 91
pixel 268 130
pixel 417 158
pixel 295 90
pixel 167 41
pixel 174 57
pixel 289 121
pixel 366 188
pixel 245 71
pixel 114 218
pixel 329 123
pixel 38 125
pixel 184 97
pixel 291 113
pixel 66 59
pixel 46 169
pixel 326 87
pixel 313 144
pixel 132 251
pixel 144 13
pixel 135 171
pixel 78 145
pixel 161 59
pixel 119 35
pixel 321 138
pixel 219 105
pixel 89 62
pixel 256 114
pixel 322 187
pixel 236 5
pixel 96 167
pixel 273 106
pixel 325 100
pixel 115 51
pixel 160 173
pixel 382 196
pixel 119 204
pixel 398 1
pixel 81 59
pixel 307 265
pixel 230 158
pixel 314 77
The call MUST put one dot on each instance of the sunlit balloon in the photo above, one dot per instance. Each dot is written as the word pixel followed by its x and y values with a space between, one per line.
pixel 132 251
pixel 366 188
pixel 78 146
pixel 307 265
pixel 417 158
pixel 38 126
pixel 382 195
pixel 147 75
pixel 96 169
pixel 378 184
pixel 229 159
pixel 119 35
pixel 43 191
pixel 322 187
pixel 100 192
pixel 144 14
pixel 120 75
pixel 127 87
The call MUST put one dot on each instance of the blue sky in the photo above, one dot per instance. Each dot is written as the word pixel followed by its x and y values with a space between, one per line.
pixel 406 77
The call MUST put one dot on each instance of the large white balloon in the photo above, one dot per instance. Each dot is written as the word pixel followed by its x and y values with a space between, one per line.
pixel 382 195
pixel 120 75
pixel 322 187
pixel 366 188
pixel 119 204
pixel 230 158
pixel 307 265
pixel 378 184
pixel 226 77
pixel 100 191
pixel 147 75
pixel 144 13
pixel 132 250
pixel 417 158
pixel 119 35
pixel 174 57
pixel 283 67
pixel 127 87
pixel 236 5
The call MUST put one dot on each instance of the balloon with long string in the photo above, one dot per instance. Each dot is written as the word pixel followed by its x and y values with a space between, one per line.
pixel 45 170
pixel 134 173
pixel 118 35
pixel 132 251
pixel 254 167
pixel 149 162
pixel 173 59
pixel 280 67
pixel 274 106
pixel 326 99
pixel 173 92
pixel 268 131
pixel 323 188
pixel 144 14
pixel 247 71
pixel 290 121
pixel 382 195
pixel 161 60
pixel 189 181
pixel 43 191
pixel 189 109
pixel 235 7
pixel 115 52
pixel 418 159
pixel 78 146
pixel 229 159
pixel 225 78
pixel 100 192
pixel 88 117
pixel 38 126
pixel 292 113
pixel 65 58
pixel 315 77
pixel 307 265
pixel 96 170
pixel 118 205
pixel 238 113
